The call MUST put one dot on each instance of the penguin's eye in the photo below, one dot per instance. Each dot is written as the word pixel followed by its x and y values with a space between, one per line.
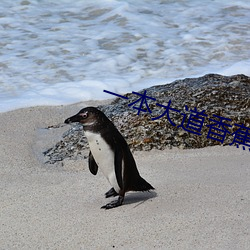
pixel 84 115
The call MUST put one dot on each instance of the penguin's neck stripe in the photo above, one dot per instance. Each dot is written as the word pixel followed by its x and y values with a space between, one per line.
pixel 88 124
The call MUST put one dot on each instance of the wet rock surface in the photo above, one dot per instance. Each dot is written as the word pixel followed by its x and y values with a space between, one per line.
pixel 227 97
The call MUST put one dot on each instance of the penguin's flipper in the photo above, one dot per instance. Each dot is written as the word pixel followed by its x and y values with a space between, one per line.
pixel 111 193
pixel 118 166
pixel 93 167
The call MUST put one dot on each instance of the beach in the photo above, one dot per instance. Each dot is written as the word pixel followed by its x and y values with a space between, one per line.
pixel 58 57
pixel 201 198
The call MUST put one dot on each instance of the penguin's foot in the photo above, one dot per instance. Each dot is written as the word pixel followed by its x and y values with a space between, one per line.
pixel 111 193
pixel 113 204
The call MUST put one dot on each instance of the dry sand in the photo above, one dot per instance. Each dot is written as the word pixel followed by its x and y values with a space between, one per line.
pixel 201 201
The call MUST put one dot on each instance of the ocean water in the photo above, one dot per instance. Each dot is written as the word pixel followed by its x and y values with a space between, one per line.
pixel 61 52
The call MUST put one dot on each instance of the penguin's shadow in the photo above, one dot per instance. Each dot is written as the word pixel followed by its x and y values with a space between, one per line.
pixel 137 198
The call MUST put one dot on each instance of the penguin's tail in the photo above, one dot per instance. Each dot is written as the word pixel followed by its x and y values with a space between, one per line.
pixel 141 185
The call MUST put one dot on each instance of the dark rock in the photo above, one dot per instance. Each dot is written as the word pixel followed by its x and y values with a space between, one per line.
pixel 228 97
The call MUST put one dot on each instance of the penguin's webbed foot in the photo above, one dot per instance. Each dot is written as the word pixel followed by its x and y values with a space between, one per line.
pixel 111 193
pixel 113 204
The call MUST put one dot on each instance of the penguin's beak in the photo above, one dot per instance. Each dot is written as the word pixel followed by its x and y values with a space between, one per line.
pixel 74 118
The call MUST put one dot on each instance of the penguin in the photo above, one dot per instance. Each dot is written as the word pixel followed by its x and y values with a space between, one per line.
pixel 110 152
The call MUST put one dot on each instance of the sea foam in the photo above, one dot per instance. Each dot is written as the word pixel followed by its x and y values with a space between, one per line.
pixel 62 52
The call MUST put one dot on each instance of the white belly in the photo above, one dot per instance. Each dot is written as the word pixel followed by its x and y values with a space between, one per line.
pixel 104 157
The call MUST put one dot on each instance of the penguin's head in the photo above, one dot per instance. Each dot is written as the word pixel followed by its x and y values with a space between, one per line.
pixel 88 117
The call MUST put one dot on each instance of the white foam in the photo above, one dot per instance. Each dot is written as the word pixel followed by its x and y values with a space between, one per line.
pixel 63 52
pixel 242 67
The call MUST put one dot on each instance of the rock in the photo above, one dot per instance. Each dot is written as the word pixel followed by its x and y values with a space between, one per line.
pixel 223 96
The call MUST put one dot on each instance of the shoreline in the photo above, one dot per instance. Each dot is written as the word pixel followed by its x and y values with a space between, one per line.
pixel 201 198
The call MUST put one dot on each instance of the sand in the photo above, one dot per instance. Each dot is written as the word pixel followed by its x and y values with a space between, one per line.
pixel 201 200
